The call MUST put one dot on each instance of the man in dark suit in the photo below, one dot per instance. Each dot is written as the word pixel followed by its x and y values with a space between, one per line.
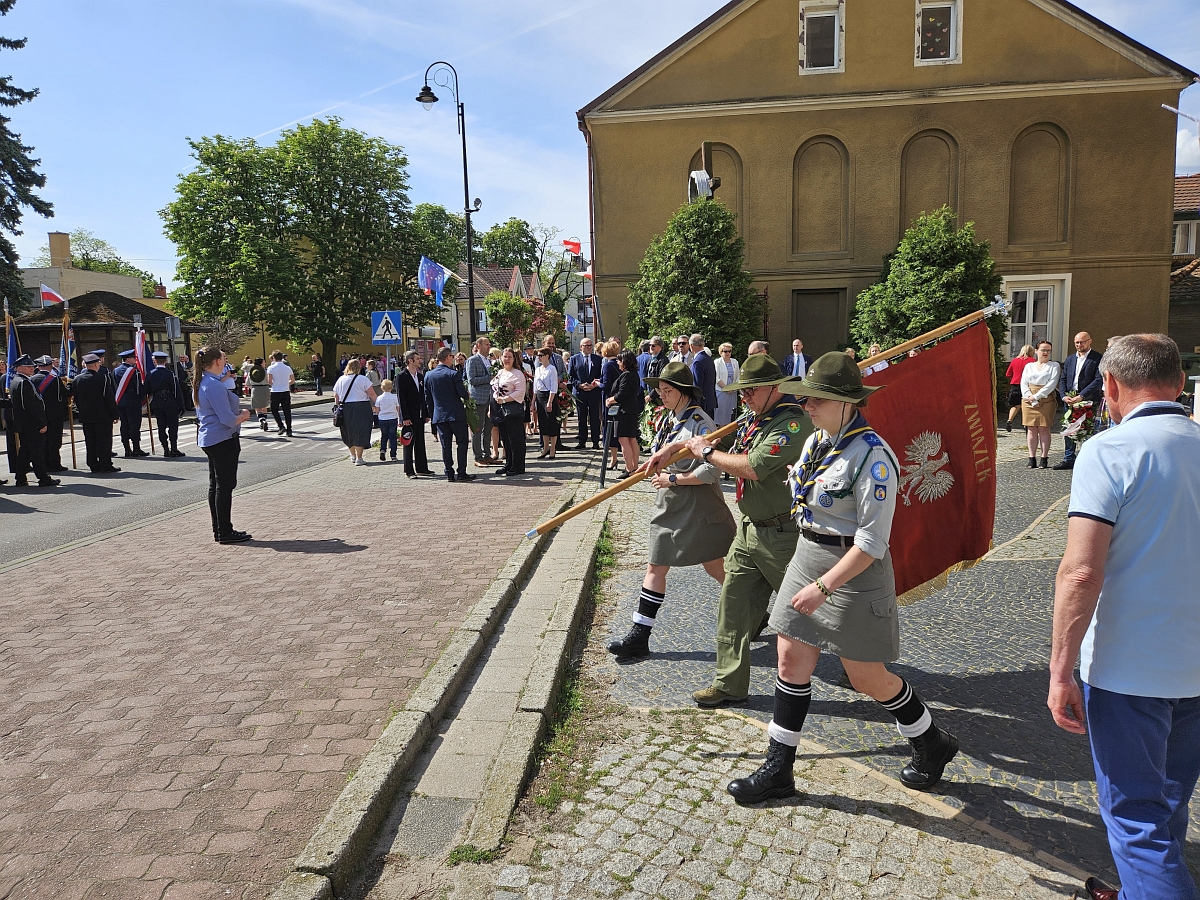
pixel 131 397
pixel 584 375
pixel 57 397
pixel 410 389
pixel 29 420
pixel 98 411
pixel 796 365
pixel 445 396
pixel 704 375
pixel 1080 372
pixel 166 403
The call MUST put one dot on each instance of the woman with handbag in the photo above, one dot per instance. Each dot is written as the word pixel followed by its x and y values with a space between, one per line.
pixel 628 398
pixel 508 392
pixel 354 397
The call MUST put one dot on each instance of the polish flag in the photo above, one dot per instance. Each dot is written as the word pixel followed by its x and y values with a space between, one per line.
pixel 574 246
pixel 588 273
pixel 50 296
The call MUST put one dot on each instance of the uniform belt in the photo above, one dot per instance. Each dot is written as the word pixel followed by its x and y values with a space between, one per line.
pixel 832 540
pixel 782 522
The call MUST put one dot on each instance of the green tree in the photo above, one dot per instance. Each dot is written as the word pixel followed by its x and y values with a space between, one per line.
pixel 308 236
pixel 439 234
pixel 95 254
pixel 18 179
pixel 509 318
pixel 549 321
pixel 937 274
pixel 692 280
pixel 508 244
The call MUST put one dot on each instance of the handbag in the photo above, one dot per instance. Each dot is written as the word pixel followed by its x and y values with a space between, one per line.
pixel 511 409
pixel 339 417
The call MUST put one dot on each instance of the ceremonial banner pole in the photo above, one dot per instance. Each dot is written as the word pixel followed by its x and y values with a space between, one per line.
pixel 957 325
pixel 150 427
pixel 71 420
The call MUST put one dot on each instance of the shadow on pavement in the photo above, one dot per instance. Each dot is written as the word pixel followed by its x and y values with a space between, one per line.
pixel 84 490
pixel 332 545
pixel 8 505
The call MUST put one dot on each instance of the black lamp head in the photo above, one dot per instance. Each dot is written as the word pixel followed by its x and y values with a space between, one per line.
pixel 427 97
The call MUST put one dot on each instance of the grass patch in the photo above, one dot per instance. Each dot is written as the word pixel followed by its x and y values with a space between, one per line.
pixel 469 853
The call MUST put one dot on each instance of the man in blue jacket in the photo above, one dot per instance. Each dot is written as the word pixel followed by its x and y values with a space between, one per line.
pixel 584 375
pixel 444 395
pixel 798 363
pixel 1080 372
pixel 131 396
pixel 704 375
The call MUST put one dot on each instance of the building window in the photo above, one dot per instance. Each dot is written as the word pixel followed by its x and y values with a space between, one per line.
pixel 939 32
pixel 1030 317
pixel 821 40
pixel 1185 239
pixel 481 321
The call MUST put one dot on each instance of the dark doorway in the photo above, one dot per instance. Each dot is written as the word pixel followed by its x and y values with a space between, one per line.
pixel 816 320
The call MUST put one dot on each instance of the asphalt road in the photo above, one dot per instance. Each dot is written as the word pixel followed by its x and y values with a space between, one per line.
pixel 37 519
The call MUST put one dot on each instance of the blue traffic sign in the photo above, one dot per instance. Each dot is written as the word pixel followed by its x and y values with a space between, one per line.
pixel 387 327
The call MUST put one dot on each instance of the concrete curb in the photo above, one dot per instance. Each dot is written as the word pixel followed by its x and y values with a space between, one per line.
pixel 536 711
pixel 345 835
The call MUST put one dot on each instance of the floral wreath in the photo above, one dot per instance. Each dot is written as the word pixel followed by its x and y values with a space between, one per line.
pixel 652 416
pixel 565 403
pixel 1079 421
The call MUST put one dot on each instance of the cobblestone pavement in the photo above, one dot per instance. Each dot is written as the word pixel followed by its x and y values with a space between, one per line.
pixel 176 716
pixel 977 652
pixel 659 823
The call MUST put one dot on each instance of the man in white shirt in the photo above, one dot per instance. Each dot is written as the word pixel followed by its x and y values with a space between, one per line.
pixel 797 364
pixel 1126 606
pixel 281 378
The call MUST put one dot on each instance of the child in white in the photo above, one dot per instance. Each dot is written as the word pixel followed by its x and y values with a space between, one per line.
pixel 387 411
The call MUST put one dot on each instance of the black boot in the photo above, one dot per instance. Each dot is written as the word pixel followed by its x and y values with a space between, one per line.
pixel 1008 426
pixel 1033 462
pixel 931 752
pixel 773 779
pixel 1045 462
pixel 634 645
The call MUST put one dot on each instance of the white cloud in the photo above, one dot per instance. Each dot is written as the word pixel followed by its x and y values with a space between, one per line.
pixel 1187 152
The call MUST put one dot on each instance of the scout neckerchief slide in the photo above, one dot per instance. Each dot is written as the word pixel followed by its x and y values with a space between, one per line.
pixel 751 424
pixel 667 435
pixel 817 457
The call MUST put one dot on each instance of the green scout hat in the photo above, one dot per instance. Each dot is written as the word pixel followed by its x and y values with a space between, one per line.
pixel 758 370
pixel 676 374
pixel 835 376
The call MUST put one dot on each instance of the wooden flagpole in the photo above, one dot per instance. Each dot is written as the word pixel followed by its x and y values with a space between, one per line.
pixel 970 319
pixel 150 427
pixel 71 420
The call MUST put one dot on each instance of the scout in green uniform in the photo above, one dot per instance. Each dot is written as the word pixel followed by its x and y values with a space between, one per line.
pixel 768 440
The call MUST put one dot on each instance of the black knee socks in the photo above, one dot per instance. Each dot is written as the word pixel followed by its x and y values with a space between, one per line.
pixel 912 715
pixel 791 709
pixel 649 604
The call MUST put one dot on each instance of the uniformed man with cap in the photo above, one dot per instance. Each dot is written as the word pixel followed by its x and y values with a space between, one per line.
pixel 131 396
pixel 94 398
pixel 99 354
pixel 29 421
pixel 768 440
pixel 56 395
pixel 166 403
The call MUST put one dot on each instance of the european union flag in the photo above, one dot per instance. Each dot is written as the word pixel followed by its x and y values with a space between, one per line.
pixel 431 278
pixel 572 324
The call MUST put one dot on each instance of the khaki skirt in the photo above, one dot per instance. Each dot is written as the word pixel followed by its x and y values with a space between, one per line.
pixel 858 622
pixel 691 525
pixel 1042 415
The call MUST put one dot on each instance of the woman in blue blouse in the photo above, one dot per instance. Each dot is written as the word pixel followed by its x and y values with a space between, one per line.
pixel 220 421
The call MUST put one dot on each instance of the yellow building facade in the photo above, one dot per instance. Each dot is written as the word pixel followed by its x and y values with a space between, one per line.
pixel 835 123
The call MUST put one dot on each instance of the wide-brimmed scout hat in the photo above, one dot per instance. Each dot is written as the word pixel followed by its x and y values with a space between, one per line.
pixel 835 376
pixel 758 370
pixel 677 375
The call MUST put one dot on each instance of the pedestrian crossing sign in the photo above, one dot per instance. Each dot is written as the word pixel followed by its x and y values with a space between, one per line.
pixel 386 327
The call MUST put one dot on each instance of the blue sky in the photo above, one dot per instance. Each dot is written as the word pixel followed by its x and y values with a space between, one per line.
pixel 125 82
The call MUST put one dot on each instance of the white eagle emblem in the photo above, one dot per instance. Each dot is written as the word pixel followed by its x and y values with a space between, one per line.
pixel 923 470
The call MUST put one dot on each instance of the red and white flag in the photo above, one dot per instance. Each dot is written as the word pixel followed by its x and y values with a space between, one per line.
pixel 574 246
pixel 50 296
pixel 141 352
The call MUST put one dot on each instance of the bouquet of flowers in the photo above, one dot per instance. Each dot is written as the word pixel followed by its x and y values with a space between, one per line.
pixel 1079 421
pixel 565 403
pixel 652 417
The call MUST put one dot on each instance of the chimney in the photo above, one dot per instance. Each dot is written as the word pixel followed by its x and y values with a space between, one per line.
pixel 60 249
pixel 160 291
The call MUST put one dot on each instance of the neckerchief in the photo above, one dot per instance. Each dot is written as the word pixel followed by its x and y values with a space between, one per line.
pixel 820 457
pixel 749 425
pixel 666 435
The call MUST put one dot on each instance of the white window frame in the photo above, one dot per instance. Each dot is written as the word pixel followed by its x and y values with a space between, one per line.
pixel 1186 231
pixel 836 8
pixel 956 32
pixel 1058 330
pixel 481 322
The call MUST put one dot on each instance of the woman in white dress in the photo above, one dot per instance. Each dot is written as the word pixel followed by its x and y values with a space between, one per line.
pixel 1039 402
pixel 727 373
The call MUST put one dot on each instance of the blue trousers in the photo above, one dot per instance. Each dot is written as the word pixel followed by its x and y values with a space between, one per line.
pixel 387 437
pixel 1147 756
pixel 448 434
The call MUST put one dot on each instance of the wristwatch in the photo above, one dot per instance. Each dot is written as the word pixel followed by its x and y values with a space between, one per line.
pixel 671 478
pixel 707 452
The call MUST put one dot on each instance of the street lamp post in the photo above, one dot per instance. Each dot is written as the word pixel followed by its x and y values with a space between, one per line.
pixel 427 98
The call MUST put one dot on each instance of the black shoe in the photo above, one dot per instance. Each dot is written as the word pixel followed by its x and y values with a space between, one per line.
pixel 424 472
pixel 22 482
pixel 451 478
pixel 166 454
pixel 234 537
pixel 109 471
pixel 383 457
pixel 773 780
pixel 1098 890
pixel 289 433
pixel 1008 426
pixel 595 446
pixel 1045 462
pixel 1064 465
pixel 634 645
pixel 57 469
pixel 466 476
pixel 129 454
pixel 177 453
pixel 410 474
pixel 931 752
pixel 1033 462
pixel 139 452
pixel 502 471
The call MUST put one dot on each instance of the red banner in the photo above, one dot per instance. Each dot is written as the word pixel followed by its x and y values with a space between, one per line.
pixel 938 416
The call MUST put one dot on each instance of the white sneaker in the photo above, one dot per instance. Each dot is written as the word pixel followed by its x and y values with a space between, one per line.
pixel 359 461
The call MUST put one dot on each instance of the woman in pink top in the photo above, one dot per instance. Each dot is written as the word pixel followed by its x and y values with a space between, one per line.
pixel 1015 369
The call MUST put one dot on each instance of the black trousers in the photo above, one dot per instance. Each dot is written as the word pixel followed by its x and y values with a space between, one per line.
pixel 448 433
pixel 168 430
pixel 587 410
pixel 97 441
pixel 32 455
pixel 512 435
pixel 222 479
pixel 131 427
pixel 54 440
pixel 415 459
pixel 282 400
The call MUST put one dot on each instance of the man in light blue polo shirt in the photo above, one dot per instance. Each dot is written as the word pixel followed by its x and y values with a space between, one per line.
pixel 1127 606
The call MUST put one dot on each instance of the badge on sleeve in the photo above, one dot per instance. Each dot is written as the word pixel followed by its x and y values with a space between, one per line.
pixel 825 500
pixel 872 439
pixel 880 492
pixel 704 429
pixel 880 472
pixel 793 426
pixel 782 440
pixel 774 451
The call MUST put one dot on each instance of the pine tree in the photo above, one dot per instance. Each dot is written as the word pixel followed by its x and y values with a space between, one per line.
pixel 18 179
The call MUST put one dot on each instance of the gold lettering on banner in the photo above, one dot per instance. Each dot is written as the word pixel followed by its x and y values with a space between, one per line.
pixel 983 462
